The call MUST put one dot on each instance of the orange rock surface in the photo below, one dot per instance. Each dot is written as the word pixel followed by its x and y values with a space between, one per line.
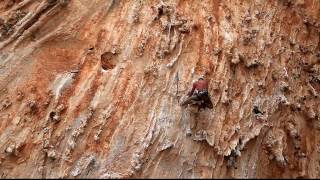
pixel 91 89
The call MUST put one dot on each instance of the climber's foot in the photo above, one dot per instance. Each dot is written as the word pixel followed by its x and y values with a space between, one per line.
pixel 188 133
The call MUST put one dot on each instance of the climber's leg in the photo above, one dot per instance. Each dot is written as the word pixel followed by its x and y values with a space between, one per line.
pixel 202 107
pixel 189 122
pixel 189 100
pixel 208 102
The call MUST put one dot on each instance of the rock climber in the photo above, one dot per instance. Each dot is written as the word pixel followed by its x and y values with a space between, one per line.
pixel 199 94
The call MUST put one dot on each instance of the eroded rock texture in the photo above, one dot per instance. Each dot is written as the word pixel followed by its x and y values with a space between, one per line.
pixel 92 88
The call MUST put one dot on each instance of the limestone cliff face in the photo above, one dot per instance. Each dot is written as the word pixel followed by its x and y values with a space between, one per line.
pixel 91 88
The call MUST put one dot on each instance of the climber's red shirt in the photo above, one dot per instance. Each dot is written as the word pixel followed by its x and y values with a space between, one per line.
pixel 199 85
